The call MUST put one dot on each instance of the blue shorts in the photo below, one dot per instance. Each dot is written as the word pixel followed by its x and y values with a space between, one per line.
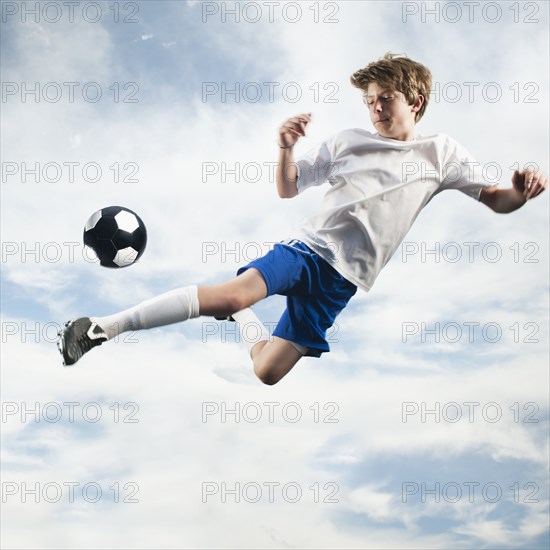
pixel 315 291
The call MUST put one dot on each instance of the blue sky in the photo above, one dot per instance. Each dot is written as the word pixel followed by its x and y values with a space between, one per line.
pixel 466 337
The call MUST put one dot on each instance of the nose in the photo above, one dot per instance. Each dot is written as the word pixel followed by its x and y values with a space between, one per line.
pixel 376 106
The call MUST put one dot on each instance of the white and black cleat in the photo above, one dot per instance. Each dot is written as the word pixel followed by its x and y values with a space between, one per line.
pixel 77 338
pixel 226 318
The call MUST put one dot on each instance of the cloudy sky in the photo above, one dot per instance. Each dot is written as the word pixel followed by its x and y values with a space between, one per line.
pixel 427 424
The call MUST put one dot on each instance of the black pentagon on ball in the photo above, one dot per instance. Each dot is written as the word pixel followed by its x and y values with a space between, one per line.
pixel 106 227
pixel 106 251
pixel 122 239
pixel 117 235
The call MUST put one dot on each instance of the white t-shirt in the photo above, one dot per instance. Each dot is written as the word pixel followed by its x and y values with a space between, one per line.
pixel 378 187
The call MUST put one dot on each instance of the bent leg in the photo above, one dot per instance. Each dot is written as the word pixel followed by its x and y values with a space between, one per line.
pixel 274 359
pixel 226 298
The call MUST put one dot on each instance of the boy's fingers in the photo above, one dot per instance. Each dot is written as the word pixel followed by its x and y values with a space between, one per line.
pixel 538 184
pixel 533 185
pixel 530 183
pixel 301 119
pixel 303 123
pixel 292 130
pixel 296 126
pixel 521 180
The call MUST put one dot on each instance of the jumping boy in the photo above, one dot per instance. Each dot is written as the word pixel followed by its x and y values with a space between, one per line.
pixel 379 183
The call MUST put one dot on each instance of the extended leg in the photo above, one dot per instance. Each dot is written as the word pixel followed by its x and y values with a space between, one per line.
pixel 181 304
pixel 186 303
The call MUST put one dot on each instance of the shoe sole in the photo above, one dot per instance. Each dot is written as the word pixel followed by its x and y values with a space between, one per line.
pixel 61 343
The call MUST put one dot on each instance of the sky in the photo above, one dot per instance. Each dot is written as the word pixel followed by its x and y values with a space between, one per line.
pixel 426 426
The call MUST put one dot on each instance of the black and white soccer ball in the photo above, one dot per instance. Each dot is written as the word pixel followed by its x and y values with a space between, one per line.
pixel 116 236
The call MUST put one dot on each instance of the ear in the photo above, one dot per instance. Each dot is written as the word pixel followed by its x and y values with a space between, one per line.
pixel 417 105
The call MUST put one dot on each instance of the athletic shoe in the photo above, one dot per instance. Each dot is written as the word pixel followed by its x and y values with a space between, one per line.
pixel 77 338
pixel 227 318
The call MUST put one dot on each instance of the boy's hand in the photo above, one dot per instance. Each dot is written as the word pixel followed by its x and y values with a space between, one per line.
pixel 529 183
pixel 292 129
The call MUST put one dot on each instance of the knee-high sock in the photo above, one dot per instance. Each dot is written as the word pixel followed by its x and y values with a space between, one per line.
pixel 251 328
pixel 172 307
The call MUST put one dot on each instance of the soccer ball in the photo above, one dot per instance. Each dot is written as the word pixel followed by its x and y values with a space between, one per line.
pixel 116 236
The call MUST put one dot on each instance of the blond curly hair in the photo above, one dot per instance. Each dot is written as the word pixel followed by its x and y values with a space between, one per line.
pixel 397 72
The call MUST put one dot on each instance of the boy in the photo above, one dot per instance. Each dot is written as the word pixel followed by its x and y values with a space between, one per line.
pixel 371 205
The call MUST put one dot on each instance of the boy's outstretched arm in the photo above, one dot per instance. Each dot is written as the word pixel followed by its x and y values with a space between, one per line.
pixel 525 185
pixel 287 171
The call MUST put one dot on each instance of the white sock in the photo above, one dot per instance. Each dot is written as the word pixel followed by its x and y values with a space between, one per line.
pixel 168 308
pixel 251 328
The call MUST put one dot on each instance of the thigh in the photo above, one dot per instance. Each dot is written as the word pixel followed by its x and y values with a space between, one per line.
pixel 243 291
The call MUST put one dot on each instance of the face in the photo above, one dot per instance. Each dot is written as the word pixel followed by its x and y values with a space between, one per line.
pixel 390 113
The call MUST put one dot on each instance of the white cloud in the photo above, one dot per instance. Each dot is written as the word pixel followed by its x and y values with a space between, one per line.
pixel 375 504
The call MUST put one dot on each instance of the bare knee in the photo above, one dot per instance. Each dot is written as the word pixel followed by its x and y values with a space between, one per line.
pixel 274 360
pixel 268 374
pixel 270 370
